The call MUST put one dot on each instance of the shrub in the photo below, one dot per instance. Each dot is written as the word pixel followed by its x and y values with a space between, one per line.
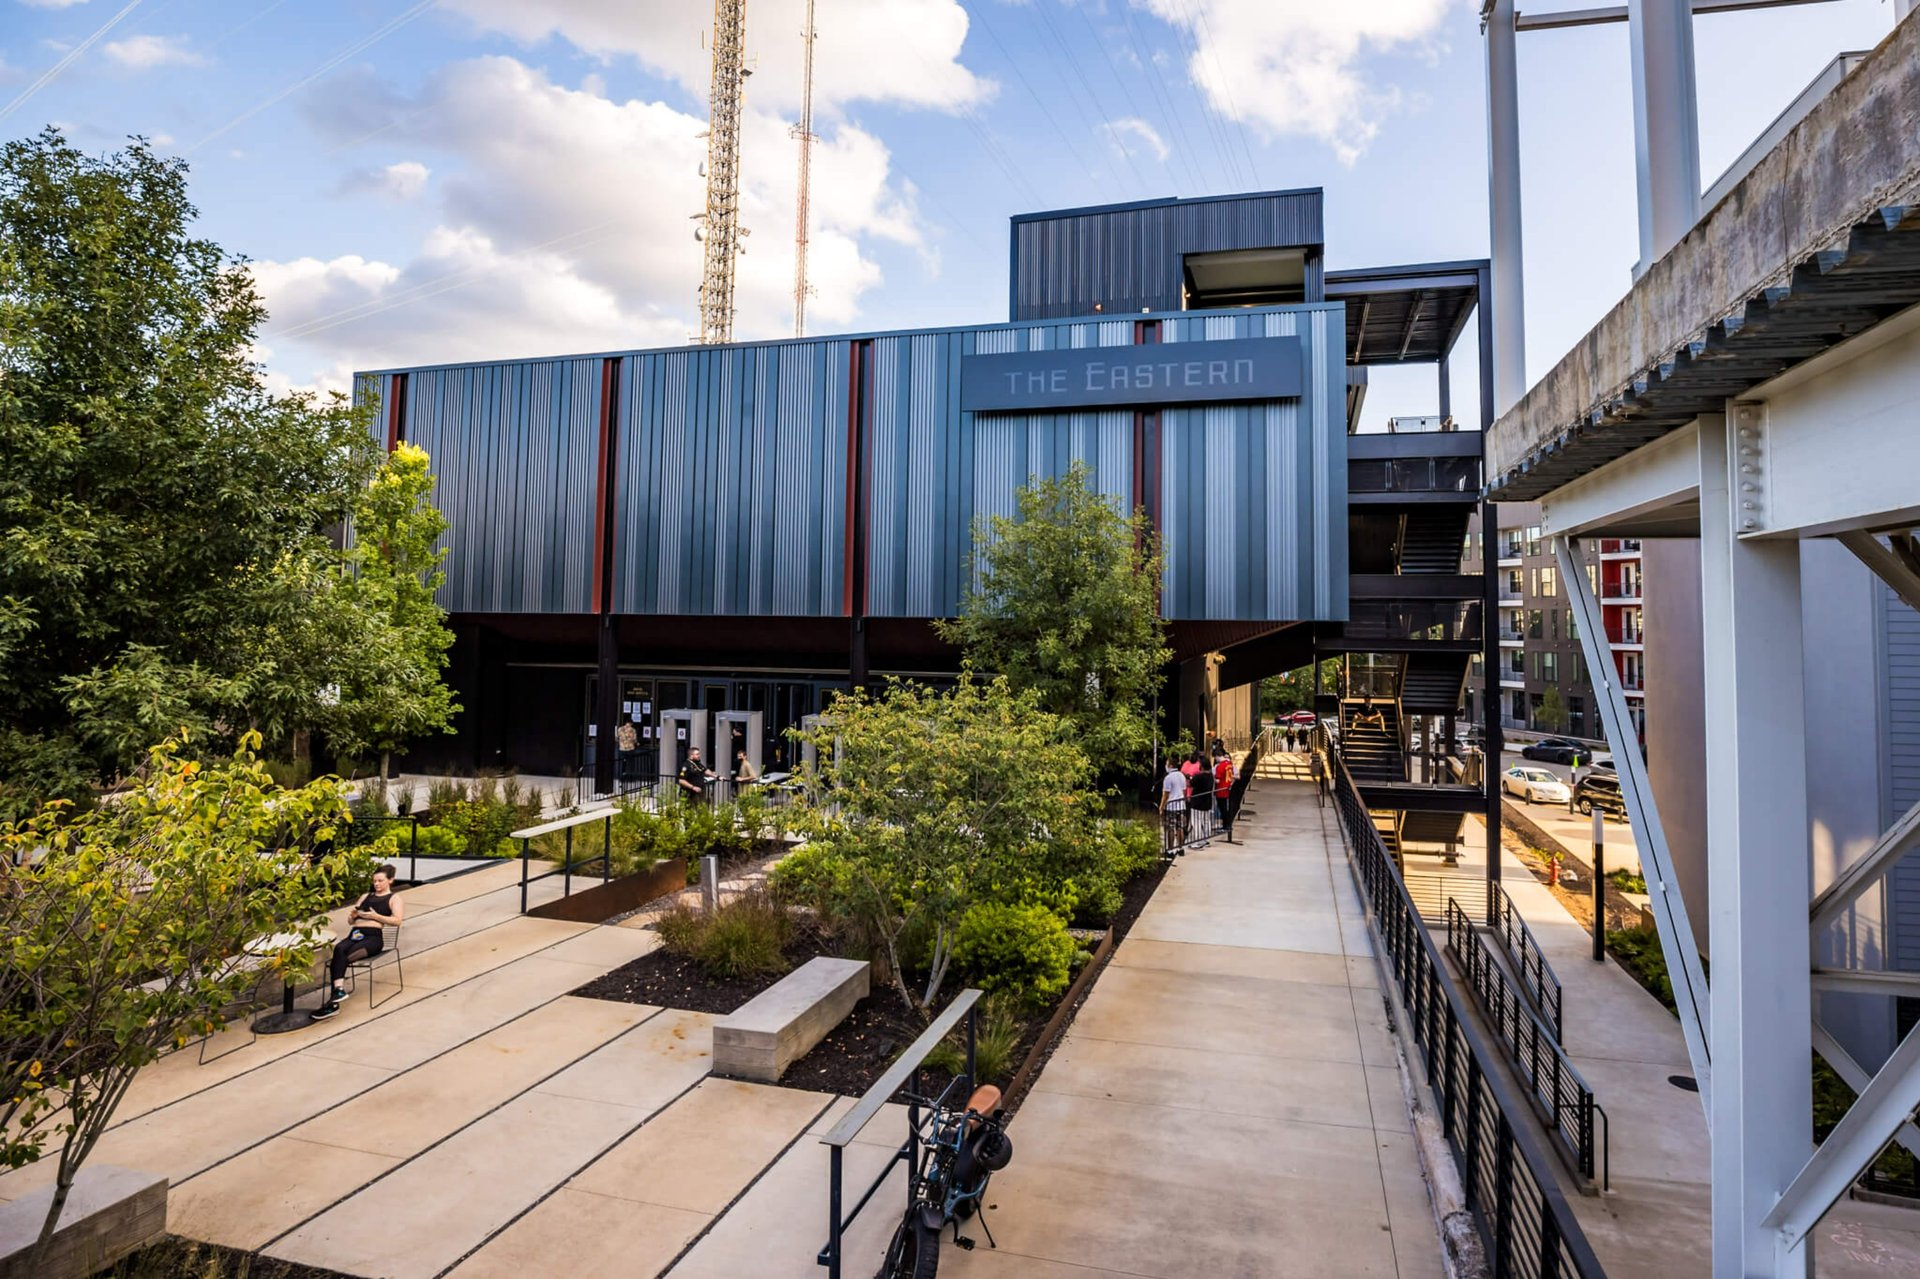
pixel 1024 951
pixel 744 936
pixel 993 1047
pixel 398 840
pixel 289 774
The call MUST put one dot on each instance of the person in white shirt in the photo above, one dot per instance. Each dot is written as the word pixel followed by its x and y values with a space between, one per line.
pixel 1173 809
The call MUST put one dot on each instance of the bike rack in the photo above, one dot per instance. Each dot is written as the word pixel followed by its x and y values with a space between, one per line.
pixel 843 1133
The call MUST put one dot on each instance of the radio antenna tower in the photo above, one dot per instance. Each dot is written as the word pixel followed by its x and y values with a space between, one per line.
pixel 720 228
pixel 804 132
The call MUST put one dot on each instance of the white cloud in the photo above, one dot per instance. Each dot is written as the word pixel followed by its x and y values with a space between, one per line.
pixel 402 181
pixel 1131 132
pixel 1292 66
pixel 143 53
pixel 565 224
pixel 899 51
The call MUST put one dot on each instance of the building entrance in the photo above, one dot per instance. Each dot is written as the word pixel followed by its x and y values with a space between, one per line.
pixel 780 699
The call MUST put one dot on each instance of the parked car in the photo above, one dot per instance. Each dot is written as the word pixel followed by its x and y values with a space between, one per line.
pixel 1555 750
pixel 1535 785
pixel 1304 719
pixel 1600 789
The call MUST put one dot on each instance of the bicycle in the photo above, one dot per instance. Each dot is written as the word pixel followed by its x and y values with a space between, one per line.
pixel 960 1152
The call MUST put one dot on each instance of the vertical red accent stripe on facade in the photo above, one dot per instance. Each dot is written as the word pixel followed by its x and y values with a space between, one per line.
pixel 1145 333
pixel 602 490
pixel 396 410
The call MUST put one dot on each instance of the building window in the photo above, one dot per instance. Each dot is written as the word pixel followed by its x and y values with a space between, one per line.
pixel 1577 716
pixel 1513 583
pixel 1533 539
pixel 1550 580
pixel 1517 707
pixel 1550 667
pixel 1534 624
pixel 1573 626
pixel 1533 709
pixel 1553 623
pixel 1579 669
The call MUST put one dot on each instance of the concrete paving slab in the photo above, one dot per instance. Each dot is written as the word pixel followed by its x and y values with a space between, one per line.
pixel 1388 1100
pixel 477 952
pixel 989 1263
pixel 1303 930
pixel 200 1131
pixel 644 1068
pixel 700 1152
pixel 461 1191
pixel 596 1235
pixel 776 1228
pixel 1409 1208
pixel 446 892
pixel 448 1018
pixel 251 1199
pixel 1192 1078
pixel 1234 961
pixel 1229 1014
pixel 411 1111
pixel 605 949
pixel 1109 1181
pixel 887 1128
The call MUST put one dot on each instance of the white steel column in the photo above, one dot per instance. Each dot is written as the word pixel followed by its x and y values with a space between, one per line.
pixel 1503 207
pixel 1758 869
pixel 1666 125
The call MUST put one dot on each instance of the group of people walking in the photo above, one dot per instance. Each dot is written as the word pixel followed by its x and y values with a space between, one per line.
pixel 1196 800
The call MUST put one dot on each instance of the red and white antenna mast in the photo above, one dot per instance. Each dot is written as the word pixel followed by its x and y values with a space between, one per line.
pixel 804 132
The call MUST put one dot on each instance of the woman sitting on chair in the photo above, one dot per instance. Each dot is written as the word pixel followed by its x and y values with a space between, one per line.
pixel 367 922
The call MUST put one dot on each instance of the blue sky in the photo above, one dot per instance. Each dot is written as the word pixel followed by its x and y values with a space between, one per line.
pixel 464 179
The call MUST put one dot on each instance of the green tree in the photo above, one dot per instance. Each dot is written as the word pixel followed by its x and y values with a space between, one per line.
pixel 392 691
pixel 945 799
pixel 124 933
pixel 1065 602
pixel 1551 714
pixel 161 514
pixel 1293 691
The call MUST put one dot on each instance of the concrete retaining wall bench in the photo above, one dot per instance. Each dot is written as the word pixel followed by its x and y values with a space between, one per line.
pixel 109 1213
pixel 778 1026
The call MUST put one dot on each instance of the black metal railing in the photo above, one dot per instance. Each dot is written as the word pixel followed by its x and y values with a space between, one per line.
pixel 370 827
pixel 1524 1221
pixel 905 1067
pixel 1562 1095
pixel 1528 960
pixel 565 827
pixel 719 790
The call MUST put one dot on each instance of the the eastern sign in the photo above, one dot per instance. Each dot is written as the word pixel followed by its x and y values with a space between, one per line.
pixel 1164 373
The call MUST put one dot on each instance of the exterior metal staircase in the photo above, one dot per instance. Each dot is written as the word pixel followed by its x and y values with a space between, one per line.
pixel 1371 742
pixel 1432 539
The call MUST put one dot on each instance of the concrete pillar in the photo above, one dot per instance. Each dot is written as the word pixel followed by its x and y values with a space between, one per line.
pixel 1760 1113
pixel 1666 125
pixel 1509 306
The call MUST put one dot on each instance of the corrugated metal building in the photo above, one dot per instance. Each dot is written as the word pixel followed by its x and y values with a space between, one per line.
pixel 745 526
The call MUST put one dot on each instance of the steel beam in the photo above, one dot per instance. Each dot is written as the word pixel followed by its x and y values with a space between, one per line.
pixel 1509 303
pixel 1855 1076
pixel 1873 1120
pixel 1866 981
pixel 1666 124
pixel 1760 1122
pixel 1856 879
pixel 1669 907
pixel 1887 564
pixel 1656 477
pixel 1618 13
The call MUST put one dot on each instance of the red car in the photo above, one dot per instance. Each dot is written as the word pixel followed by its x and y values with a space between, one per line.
pixel 1304 719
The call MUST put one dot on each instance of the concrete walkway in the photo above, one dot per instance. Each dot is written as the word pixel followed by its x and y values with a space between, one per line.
pixel 1228 1101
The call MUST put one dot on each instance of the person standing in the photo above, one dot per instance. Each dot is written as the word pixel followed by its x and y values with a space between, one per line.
pixel 626 742
pixel 694 776
pixel 1223 776
pixel 1199 797
pixel 1173 810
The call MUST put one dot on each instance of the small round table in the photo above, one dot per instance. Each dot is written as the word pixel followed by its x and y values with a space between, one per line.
pixel 289 1017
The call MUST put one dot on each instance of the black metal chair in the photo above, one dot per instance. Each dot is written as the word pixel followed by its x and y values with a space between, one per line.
pixel 368 962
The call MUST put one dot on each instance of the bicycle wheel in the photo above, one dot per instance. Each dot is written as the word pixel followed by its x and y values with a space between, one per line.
pixel 915 1250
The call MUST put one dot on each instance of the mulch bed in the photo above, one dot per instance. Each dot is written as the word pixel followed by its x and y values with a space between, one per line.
pixel 177 1258
pixel 858 1051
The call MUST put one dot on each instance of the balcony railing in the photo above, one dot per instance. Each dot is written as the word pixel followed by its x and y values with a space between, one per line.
pixel 1626 635
pixel 1438 620
pixel 1512 633
pixel 1413 475
pixel 1628 589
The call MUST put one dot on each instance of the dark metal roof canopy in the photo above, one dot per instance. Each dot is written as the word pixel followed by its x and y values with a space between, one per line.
pixel 1406 314
pixel 1831 296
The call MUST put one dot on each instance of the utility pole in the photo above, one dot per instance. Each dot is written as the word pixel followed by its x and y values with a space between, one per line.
pixel 720 226
pixel 804 133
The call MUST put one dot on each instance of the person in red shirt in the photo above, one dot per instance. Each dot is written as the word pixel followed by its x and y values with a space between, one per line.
pixel 1223 791
pixel 1199 800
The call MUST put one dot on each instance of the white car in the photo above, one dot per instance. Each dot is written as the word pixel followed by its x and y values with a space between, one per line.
pixel 1535 785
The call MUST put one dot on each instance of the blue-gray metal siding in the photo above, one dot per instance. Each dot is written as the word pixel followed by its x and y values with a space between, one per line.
pixel 1902 768
pixel 1253 496
pixel 731 496
pixel 513 449
pixel 1131 258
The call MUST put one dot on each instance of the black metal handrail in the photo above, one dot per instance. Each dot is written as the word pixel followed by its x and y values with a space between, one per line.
pixel 565 826
pixel 1562 1095
pixel 1542 985
pixel 1524 1221
pixel 906 1065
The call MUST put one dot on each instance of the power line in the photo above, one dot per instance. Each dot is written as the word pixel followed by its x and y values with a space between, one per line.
pixel 1093 99
pixel 358 46
pixel 1240 125
pixel 52 73
pixel 1153 85
pixel 1046 112
pixel 1223 156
